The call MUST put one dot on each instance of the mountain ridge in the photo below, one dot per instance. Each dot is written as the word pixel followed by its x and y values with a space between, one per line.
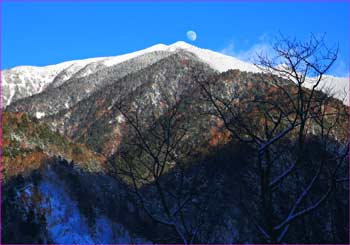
pixel 36 78
pixel 24 81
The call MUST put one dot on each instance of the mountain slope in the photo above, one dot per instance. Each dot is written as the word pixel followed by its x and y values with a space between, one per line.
pixel 85 108
pixel 27 143
pixel 97 121
pixel 24 81
pixel 58 97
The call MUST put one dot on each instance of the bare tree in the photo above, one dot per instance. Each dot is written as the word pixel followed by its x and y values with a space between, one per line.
pixel 154 160
pixel 277 120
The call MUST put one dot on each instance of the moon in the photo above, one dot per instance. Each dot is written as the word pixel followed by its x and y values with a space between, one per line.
pixel 191 35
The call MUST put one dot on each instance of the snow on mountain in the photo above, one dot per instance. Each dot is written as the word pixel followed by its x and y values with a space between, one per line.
pixel 24 81
pixel 338 87
pixel 216 60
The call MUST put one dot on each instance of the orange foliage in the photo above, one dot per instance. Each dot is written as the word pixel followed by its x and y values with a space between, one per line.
pixel 22 164
pixel 219 135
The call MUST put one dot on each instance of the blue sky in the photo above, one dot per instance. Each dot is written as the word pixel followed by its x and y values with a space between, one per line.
pixel 43 33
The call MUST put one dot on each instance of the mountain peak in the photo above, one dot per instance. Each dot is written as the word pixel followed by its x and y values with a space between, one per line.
pixel 182 44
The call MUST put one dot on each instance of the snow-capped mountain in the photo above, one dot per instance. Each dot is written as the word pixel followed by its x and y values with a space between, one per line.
pixel 25 81
pixel 73 132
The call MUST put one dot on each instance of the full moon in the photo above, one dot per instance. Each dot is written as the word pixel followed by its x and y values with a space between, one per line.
pixel 191 35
